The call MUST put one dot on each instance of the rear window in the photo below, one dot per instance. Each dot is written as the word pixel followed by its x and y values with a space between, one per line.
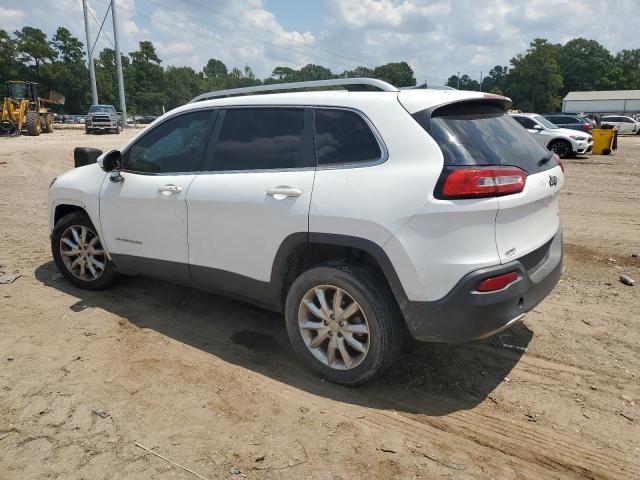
pixel 484 134
pixel 344 137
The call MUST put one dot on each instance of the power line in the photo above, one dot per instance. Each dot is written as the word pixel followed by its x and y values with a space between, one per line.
pixel 343 60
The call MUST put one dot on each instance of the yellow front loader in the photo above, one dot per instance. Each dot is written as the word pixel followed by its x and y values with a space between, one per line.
pixel 23 111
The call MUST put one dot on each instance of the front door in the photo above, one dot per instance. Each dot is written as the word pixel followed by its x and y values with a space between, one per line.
pixel 143 217
pixel 258 193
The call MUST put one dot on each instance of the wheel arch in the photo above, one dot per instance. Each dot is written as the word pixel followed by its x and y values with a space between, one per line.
pixel 300 252
pixel 64 209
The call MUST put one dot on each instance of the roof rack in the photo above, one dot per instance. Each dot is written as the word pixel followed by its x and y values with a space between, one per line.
pixel 342 82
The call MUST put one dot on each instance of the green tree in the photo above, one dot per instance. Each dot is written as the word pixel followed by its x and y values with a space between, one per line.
pixel 68 47
pixel 495 81
pixel 314 72
pixel 534 82
pixel 399 74
pixel 583 63
pixel 465 83
pixel 32 44
pixel 10 67
pixel 146 77
pixel 181 85
pixel 629 63
pixel 358 72
pixel 216 73
pixel 285 74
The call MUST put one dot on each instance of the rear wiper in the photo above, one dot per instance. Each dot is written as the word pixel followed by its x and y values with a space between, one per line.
pixel 544 160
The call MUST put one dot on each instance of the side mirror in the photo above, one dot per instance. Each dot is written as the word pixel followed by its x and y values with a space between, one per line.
pixel 537 127
pixel 110 161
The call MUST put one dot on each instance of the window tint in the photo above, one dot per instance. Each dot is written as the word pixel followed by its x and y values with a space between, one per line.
pixel 568 120
pixel 483 134
pixel 261 138
pixel 342 136
pixel 525 122
pixel 171 146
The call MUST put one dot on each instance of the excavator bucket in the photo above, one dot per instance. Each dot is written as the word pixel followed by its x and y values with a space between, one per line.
pixel 56 98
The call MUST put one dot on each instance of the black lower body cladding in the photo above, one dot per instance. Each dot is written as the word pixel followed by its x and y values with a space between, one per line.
pixel 462 315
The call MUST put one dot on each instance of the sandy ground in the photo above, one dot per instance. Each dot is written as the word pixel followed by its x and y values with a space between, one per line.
pixel 212 384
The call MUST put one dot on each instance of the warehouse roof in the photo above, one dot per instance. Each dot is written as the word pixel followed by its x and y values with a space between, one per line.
pixel 605 95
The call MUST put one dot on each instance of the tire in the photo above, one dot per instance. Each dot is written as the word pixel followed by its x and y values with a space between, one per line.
pixel 33 124
pixel 47 123
pixel 378 313
pixel 562 148
pixel 87 131
pixel 62 240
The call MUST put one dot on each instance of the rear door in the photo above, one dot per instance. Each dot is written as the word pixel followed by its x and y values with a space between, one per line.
pixel 476 135
pixel 255 193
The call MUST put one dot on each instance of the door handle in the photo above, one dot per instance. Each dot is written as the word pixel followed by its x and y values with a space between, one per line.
pixel 280 193
pixel 169 189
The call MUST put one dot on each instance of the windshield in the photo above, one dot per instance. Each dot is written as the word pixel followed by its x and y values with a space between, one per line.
pixel 101 109
pixel 544 122
pixel 17 91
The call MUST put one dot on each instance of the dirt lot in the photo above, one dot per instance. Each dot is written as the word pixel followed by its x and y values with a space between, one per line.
pixel 212 384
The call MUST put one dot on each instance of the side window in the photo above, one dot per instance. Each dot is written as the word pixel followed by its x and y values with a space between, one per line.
pixel 526 122
pixel 342 136
pixel 569 120
pixel 260 139
pixel 171 146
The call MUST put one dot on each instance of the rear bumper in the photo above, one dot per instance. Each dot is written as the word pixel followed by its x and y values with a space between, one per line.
pixel 464 315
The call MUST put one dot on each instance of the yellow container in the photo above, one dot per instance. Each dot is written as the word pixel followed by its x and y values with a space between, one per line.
pixel 602 140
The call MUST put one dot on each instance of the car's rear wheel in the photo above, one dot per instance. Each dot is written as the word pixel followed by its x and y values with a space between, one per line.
pixel 562 148
pixel 79 254
pixel 343 322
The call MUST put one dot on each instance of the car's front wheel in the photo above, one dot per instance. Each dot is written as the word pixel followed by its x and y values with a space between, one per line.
pixel 79 254
pixel 343 322
pixel 562 148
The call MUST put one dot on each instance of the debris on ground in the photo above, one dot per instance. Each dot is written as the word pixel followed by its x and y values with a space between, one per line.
pixel 515 348
pixel 101 413
pixel 6 278
pixel 627 280
pixel 171 461
pixel 627 416
pixel 532 417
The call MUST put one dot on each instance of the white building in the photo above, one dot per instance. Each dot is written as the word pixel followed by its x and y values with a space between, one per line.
pixel 605 101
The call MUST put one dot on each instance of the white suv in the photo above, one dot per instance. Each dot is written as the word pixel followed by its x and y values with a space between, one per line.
pixel 564 142
pixel 623 123
pixel 360 215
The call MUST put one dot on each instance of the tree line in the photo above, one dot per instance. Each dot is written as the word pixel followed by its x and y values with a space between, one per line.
pixel 536 79
pixel 539 78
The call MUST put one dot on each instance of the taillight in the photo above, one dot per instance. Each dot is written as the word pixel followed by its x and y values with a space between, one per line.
pixel 499 282
pixel 558 161
pixel 478 182
pixel 587 126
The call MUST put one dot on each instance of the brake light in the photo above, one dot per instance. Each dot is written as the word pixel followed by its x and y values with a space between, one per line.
pixel 558 161
pixel 478 182
pixel 499 282
pixel 587 126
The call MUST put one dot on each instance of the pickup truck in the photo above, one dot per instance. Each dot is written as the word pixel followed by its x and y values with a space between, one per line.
pixel 102 117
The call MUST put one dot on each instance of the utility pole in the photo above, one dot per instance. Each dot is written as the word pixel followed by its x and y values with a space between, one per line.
pixel 480 87
pixel 92 73
pixel 458 80
pixel 123 105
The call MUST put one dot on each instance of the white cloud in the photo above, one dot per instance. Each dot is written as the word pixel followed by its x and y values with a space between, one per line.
pixel 437 37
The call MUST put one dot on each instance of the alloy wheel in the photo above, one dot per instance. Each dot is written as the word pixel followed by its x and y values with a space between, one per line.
pixel 82 253
pixel 334 328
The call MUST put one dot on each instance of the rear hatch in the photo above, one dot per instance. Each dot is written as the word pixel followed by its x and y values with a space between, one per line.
pixel 488 154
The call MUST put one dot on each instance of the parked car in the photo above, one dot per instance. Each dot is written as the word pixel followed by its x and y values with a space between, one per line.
pixel 572 122
pixel 563 142
pixel 102 118
pixel 623 123
pixel 359 215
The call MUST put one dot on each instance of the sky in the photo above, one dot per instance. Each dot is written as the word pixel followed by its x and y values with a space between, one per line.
pixel 437 38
